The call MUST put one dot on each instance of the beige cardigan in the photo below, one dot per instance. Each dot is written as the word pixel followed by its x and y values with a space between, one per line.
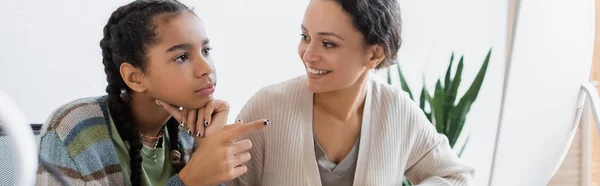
pixel 396 140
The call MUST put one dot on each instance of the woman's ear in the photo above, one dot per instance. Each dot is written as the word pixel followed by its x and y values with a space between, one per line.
pixel 133 77
pixel 377 56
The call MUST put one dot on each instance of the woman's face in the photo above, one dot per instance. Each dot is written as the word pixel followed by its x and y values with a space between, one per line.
pixel 180 69
pixel 332 49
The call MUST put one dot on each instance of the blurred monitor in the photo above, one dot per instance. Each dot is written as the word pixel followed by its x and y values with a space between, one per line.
pixel 551 58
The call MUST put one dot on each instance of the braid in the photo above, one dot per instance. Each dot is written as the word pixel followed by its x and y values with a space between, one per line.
pixel 127 35
pixel 118 108
pixel 174 144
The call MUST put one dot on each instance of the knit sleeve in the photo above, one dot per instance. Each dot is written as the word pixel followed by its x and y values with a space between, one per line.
pixel 176 181
pixel 252 111
pixel 75 140
pixel 55 153
pixel 432 161
pixel 439 166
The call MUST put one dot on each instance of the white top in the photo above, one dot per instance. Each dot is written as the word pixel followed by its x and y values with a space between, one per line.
pixel 397 140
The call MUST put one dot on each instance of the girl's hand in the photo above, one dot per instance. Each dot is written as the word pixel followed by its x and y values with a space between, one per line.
pixel 202 122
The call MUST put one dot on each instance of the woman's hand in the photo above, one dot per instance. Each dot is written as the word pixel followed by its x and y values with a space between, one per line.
pixel 218 159
pixel 201 122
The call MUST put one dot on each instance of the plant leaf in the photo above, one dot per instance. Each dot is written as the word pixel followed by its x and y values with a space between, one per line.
pixel 476 85
pixel 389 76
pixel 464 105
pixel 438 110
pixel 431 108
pixel 463 147
pixel 459 114
pixel 448 81
pixel 428 100
pixel 454 118
pixel 403 83
pixel 422 98
pixel 452 92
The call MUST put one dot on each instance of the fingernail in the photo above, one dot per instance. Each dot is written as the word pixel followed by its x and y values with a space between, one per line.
pixel 189 132
pixel 157 102
pixel 182 124
pixel 198 134
pixel 206 123
pixel 267 122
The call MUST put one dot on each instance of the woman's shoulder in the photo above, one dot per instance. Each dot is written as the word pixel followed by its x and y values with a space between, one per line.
pixel 397 103
pixel 76 116
pixel 387 93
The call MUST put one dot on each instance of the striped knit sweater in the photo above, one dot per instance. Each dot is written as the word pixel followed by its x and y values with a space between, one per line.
pixel 396 141
pixel 77 140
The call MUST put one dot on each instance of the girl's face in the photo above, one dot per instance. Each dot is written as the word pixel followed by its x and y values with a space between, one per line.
pixel 180 70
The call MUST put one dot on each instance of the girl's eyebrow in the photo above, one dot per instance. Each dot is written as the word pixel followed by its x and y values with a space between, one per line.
pixel 186 46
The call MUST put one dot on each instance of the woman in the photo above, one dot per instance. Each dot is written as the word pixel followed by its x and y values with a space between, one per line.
pixel 156 54
pixel 337 126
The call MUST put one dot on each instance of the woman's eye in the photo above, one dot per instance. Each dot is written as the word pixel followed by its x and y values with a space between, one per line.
pixel 304 37
pixel 206 51
pixel 182 58
pixel 328 44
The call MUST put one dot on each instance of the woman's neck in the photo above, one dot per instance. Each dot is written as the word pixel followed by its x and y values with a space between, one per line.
pixel 147 115
pixel 344 103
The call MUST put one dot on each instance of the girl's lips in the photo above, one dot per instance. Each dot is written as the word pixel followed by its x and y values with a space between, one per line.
pixel 207 89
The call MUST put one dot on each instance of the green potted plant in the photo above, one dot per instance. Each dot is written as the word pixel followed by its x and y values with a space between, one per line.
pixel 447 115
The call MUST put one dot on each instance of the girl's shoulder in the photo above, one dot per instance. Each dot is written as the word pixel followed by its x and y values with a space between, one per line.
pixel 77 116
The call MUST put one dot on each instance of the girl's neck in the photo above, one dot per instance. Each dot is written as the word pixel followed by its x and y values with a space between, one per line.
pixel 147 115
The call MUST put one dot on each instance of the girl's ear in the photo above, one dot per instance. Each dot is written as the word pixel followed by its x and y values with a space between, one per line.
pixel 133 77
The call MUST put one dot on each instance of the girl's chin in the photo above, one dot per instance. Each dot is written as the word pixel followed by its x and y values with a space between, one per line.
pixel 191 104
pixel 197 104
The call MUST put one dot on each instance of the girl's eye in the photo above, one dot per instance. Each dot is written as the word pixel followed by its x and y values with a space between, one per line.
pixel 182 58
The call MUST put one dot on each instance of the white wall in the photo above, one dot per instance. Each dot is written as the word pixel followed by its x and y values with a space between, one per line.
pixel 50 54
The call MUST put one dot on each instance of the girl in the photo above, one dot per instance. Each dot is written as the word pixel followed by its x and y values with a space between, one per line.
pixel 337 126
pixel 156 54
